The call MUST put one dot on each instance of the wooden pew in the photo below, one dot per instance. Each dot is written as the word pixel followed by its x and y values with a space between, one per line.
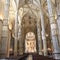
pixel 41 57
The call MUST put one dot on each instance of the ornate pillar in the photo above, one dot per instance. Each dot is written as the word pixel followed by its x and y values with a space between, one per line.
pixel 9 39
pixel 54 33
pixel 16 29
pixel 58 17
pixel 1 22
pixel 19 38
pixel 39 37
pixel 43 31
pixel 5 30
pixel 16 33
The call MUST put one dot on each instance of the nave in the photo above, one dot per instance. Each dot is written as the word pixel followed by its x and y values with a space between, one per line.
pixel 30 29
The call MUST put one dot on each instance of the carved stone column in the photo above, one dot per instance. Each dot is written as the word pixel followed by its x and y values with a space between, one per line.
pixel 58 18
pixel 39 37
pixel 16 28
pixel 16 33
pixel 54 33
pixel 9 40
pixel 5 30
pixel 43 31
pixel 1 22
pixel 19 38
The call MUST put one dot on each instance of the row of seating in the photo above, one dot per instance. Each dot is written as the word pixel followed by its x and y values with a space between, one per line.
pixel 20 57
pixel 41 57
pixel 25 56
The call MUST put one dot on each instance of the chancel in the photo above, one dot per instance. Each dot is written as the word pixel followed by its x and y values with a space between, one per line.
pixel 30 29
pixel 30 43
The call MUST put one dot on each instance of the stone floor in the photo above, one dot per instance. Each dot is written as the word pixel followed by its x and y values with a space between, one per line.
pixel 29 57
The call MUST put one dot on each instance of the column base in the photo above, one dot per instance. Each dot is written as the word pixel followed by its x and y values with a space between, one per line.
pixel 56 56
pixel 40 53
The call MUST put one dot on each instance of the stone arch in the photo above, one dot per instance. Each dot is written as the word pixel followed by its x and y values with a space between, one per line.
pixel 28 24
pixel 34 13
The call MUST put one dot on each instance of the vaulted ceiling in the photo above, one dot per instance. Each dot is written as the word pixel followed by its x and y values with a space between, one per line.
pixel 26 6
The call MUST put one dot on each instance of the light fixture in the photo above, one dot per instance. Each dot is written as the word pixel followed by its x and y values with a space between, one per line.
pixel 10 49
pixel 49 49
pixel 10 26
pixel 1 17
pixel 55 16
pixel 47 35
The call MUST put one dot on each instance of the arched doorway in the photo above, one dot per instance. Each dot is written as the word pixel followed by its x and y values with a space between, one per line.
pixel 30 43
